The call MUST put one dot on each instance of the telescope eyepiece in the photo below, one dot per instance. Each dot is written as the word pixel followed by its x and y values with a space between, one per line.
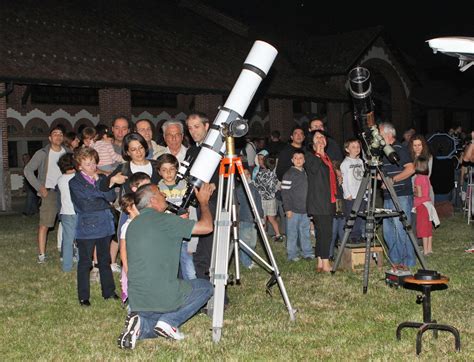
pixel 359 83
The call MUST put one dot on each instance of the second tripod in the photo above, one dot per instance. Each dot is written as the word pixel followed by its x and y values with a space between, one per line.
pixel 369 187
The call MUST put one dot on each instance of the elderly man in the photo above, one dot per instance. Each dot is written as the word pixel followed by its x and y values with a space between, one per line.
pixel 120 128
pixel 173 132
pixel 401 251
pixel 159 301
pixel 144 127
pixel 45 162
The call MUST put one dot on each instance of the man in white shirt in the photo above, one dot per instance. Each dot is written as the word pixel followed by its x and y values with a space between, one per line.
pixel 173 132
pixel 45 161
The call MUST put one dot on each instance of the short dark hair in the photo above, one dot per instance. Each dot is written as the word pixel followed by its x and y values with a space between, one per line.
pixel 349 141
pixel 102 130
pixel 201 115
pixel 89 132
pixel 58 127
pixel 66 162
pixel 166 158
pixel 295 127
pixel 137 178
pixel 126 142
pixel 270 162
pixel 422 166
pixel 116 118
pixel 298 151
pixel 275 134
pixel 127 200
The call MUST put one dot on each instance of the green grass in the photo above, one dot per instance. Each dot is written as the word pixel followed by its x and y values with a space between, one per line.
pixel 41 318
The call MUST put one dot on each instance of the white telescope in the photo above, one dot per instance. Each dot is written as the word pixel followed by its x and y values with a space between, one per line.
pixel 455 46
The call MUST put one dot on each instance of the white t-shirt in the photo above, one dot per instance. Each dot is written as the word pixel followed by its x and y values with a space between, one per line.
pixel 148 169
pixel 123 230
pixel 352 170
pixel 181 154
pixel 53 173
pixel 67 207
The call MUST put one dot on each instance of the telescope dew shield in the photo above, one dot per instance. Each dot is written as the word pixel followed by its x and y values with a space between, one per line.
pixel 255 68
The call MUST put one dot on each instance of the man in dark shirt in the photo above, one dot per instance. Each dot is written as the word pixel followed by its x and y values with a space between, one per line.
pixel 401 251
pixel 276 144
pixel 285 155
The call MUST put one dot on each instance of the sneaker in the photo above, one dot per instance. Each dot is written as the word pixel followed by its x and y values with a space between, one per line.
pixel 309 258
pixel 115 268
pixel 95 276
pixel 252 265
pixel 470 250
pixel 295 259
pixel 128 338
pixel 165 330
pixel 41 258
pixel 278 238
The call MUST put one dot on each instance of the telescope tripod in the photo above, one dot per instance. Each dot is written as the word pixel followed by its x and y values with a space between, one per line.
pixel 224 244
pixel 369 186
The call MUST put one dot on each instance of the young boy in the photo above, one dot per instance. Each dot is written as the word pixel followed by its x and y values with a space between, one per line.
pixel 67 214
pixel 168 165
pixel 294 189
pixel 247 231
pixel 267 185
pixel 352 169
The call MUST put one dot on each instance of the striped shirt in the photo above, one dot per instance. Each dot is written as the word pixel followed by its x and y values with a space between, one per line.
pixel 107 155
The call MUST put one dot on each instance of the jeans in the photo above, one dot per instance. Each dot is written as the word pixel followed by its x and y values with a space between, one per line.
pixel 248 234
pixel 201 292
pixel 298 228
pixel 400 249
pixel 186 263
pixel 86 248
pixel 67 247
pixel 338 224
pixel 356 232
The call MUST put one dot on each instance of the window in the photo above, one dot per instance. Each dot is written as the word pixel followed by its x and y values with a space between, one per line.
pixel 34 146
pixel 44 94
pixel 12 154
pixel 154 99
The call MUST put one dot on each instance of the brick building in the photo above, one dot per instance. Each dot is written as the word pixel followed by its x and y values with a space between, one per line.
pixel 81 63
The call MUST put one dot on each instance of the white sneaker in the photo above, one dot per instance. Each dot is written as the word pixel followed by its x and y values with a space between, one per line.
pixel 128 338
pixel 115 268
pixel 41 258
pixel 165 330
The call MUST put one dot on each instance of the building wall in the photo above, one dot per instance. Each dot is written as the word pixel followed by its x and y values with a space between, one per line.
pixel 5 194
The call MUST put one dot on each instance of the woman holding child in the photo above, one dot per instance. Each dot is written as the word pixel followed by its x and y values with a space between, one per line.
pixel 321 199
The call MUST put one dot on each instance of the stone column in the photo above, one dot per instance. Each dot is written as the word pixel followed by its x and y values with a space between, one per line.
pixel 5 186
pixel 208 104
pixel 281 116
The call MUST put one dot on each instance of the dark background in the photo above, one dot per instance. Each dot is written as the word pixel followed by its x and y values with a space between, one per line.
pixel 407 24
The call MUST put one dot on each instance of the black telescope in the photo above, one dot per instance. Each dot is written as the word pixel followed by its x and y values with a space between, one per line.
pixel 360 89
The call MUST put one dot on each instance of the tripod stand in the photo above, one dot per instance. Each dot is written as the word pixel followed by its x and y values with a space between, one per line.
pixel 369 185
pixel 226 222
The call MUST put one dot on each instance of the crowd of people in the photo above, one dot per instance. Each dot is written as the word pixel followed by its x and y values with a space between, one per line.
pixel 112 187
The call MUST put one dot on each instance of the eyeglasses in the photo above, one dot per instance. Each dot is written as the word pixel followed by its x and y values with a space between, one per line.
pixel 176 135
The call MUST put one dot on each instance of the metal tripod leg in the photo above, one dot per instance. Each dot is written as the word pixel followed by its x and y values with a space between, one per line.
pixel 221 254
pixel 276 273
pixel 403 218
pixel 352 218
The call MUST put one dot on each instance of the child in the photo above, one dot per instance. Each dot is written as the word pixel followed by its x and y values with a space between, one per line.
pixel 352 170
pixel 128 206
pixel 425 212
pixel 266 182
pixel 168 165
pixel 95 224
pixel 88 135
pixel 108 158
pixel 67 214
pixel 247 231
pixel 294 189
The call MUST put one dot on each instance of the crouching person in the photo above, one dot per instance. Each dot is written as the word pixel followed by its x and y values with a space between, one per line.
pixel 158 300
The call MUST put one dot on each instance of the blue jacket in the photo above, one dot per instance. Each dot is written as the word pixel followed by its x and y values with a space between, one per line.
pixel 94 213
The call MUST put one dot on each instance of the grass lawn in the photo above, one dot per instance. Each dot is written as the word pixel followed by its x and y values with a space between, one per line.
pixel 41 317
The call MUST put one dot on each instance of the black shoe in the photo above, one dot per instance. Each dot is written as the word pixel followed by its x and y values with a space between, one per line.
pixel 85 303
pixel 113 296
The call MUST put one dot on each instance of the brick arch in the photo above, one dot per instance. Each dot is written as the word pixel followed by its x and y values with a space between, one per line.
pixel 36 127
pixel 400 105
pixel 83 121
pixel 15 128
pixel 62 121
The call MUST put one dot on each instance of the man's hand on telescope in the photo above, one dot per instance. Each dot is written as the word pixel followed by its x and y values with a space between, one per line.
pixel 204 193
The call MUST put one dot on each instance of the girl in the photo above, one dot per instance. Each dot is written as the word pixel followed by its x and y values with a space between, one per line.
pixel 422 203
pixel 108 158
pixel 95 224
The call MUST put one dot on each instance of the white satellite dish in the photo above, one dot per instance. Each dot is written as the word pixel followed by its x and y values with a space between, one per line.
pixel 455 46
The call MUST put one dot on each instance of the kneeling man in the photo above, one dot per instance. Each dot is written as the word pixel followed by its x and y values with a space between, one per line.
pixel 159 301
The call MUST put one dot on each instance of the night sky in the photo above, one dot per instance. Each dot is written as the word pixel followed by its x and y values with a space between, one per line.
pixel 407 28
